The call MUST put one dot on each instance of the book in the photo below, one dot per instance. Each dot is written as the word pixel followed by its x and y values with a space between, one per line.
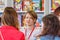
pixel 42 5
pixel 55 4
pixel 18 5
pixel 27 5
pixel 36 5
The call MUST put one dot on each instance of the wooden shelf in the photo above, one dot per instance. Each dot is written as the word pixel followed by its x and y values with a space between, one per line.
pixel 23 11
pixel 26 11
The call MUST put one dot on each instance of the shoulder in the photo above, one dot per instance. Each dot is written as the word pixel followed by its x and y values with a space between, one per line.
pixel 46 37
pixel 57 38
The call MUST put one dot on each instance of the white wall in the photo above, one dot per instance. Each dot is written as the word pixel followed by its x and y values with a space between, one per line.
pixel 9 3
pixel 47 6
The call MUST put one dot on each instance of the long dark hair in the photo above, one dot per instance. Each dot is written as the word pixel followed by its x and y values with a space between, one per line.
pixel 51 25
pixel 57 11
pixel 10 17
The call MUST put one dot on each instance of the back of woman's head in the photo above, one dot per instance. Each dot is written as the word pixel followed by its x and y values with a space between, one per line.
pixel 10 17
pixel 51 25
pixel 57 11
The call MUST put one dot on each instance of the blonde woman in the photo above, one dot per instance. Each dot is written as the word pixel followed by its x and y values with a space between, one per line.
pixel 10 27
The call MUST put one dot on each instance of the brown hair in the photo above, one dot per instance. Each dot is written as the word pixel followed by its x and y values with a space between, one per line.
pixel 33 14
pixel 10 17
pixel 51 25
pixel 57 11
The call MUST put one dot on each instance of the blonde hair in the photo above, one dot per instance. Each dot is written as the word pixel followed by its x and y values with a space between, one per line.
pixel 10 17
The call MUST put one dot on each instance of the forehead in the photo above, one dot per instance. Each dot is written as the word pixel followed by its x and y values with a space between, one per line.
pixel 29 15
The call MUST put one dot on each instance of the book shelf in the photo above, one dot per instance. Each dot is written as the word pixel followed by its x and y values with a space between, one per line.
pixel 26 11
pixel 40 10
pixel 24 5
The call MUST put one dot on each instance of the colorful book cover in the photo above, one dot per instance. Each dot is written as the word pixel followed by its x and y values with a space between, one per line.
pixel 36 5
pixel 55 4
pixel 42 5
pixel 27 5
pixel 18 5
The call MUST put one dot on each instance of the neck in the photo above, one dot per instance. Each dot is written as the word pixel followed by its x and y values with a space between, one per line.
pixel 30 27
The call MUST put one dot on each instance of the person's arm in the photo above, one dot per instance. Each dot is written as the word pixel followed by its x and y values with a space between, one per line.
pixel 23 37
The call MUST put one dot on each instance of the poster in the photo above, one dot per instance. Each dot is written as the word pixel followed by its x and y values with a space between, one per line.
pixel 25 5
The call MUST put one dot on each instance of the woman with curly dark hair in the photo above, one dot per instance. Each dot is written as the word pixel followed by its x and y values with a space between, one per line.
pixel 50 27
pixel 57 12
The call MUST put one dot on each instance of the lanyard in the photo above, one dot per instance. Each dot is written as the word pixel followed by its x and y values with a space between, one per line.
pixel 30 33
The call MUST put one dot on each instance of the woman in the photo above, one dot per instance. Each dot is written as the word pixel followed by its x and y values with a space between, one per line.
pixel 10 26
pixel 30 31
pixel 57 13
pixel 50 27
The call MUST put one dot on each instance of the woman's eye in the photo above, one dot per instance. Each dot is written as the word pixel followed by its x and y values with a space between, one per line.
pixel 26 17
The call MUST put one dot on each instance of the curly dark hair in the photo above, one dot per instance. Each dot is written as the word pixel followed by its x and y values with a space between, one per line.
pixel 51 25
pixel 57 11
